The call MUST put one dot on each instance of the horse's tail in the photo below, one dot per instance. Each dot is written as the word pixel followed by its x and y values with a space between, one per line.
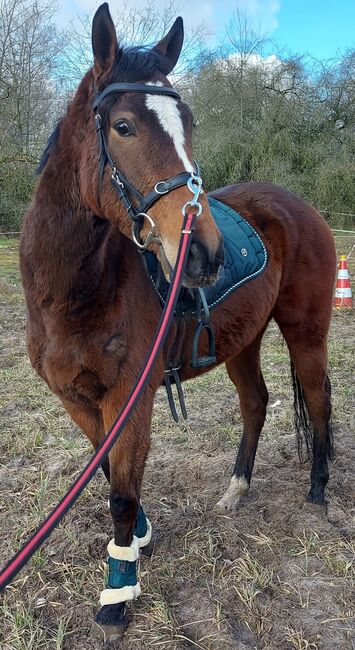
pixel 304 429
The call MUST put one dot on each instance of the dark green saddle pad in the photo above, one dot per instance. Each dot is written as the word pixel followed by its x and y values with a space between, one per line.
pixel 245 259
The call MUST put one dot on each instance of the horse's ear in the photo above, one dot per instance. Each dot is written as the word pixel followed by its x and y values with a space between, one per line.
pixel 104 41
pixel 170 46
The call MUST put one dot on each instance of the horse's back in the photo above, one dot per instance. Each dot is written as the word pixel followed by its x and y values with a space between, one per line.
pixel 286 222
pixel 297 238
pixel 267 206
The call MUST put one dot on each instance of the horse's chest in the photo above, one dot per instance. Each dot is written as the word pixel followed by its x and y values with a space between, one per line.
pixel 82 362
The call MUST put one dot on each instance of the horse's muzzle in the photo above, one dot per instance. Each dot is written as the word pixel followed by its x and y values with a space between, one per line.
pixel 203 264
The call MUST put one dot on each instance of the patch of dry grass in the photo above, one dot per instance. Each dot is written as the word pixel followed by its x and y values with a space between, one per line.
pixel 270 577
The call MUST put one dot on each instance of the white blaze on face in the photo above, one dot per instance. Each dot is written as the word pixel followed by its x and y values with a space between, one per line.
pixel 168 114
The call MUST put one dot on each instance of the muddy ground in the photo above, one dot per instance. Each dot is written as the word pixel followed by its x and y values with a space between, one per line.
pixel 276 575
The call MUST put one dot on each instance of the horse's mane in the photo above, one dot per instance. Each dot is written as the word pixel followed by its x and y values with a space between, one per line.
pixel 50 146
pixel 137 63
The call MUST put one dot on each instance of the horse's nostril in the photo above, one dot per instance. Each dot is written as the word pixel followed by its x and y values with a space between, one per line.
pixel 197 260
pixel 202 262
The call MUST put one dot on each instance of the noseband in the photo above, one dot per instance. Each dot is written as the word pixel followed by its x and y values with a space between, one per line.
pixel 124 188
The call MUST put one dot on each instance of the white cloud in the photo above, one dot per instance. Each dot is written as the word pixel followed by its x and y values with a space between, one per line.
pixel 262 12
pixel 269 62
pixel 215 14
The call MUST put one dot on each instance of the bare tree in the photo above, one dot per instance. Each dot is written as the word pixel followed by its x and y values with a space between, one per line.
pixel 136 26
pixel 30 49
pixel 30 46
pixel 283 118
pixel 244 47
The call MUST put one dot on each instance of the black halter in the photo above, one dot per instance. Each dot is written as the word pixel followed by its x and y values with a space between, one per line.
pixel 124 188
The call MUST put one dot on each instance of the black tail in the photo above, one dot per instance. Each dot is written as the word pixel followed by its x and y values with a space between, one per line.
pixel 303 425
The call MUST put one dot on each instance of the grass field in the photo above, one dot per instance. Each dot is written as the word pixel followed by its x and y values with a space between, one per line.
pixel 274 576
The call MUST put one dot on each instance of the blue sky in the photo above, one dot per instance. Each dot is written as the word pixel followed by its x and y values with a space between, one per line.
pixel 320 28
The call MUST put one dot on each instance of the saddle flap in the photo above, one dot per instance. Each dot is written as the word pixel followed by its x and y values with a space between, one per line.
pixel 245 259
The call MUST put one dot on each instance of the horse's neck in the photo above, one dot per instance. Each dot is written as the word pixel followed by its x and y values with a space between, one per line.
pixel 64 244
pixel 66 250
pixel 68 253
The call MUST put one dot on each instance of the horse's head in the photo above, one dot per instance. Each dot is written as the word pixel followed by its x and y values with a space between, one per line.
pixel 147 138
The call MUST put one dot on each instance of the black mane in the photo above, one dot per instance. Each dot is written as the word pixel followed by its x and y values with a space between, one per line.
pixel 137 63
pixel 132 64
pixel 50 146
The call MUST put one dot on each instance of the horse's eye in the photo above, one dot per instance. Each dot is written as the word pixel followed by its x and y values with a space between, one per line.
pixel 123 128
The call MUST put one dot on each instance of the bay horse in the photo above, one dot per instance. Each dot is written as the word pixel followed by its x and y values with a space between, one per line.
pixel 92 310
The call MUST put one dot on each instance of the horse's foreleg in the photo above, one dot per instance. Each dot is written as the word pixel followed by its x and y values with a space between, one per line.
pixel 89 420
pixel 131 528
pixel 245 372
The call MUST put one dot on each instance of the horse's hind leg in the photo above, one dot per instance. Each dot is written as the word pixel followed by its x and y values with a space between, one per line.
pixel 312 399
pixel 245 372
pixel 303 312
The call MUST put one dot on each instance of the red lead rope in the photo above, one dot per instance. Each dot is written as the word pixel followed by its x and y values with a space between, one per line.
pixel 45 529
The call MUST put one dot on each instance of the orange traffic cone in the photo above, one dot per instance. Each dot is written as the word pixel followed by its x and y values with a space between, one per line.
pixel 343 296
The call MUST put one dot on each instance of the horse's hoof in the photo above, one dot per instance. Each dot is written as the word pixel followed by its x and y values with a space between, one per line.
pixel 147 550
pixel 110 636
pixel 316 497
pixel 227 504
pixel 113 620
pixel 315 508
pixel 238 487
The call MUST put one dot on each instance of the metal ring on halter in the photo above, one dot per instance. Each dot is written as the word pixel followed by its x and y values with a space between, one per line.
pixel 193 204
pixel 151 236
pixel 116 177
pixel 158 191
